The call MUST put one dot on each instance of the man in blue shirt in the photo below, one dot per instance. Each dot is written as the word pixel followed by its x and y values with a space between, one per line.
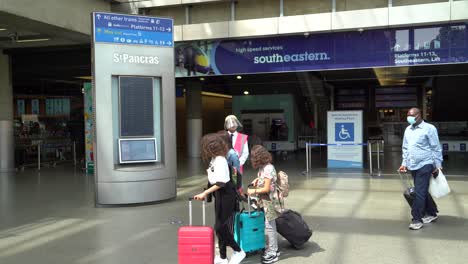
pixel 422 155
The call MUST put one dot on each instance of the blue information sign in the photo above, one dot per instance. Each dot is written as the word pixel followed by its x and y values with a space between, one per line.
pixel 133 30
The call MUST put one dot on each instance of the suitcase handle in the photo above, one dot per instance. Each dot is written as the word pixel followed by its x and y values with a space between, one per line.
pixel 249 210
pixel 190 211
pixel 248 204
pixel 248 201
pixel 408 182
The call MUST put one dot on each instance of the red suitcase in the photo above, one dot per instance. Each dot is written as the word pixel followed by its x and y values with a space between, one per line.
pixel 196 243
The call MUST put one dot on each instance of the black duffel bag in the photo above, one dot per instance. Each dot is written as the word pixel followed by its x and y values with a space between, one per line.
pixel 292 226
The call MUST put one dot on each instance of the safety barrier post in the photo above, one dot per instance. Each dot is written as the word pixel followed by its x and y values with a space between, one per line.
pixel 310 156
pixel 383 153
pixel 379 172
pixel 378 155
pixel 39 156
pixel 307 156
pixel 379 152
pixel 74 153
pixel 369 148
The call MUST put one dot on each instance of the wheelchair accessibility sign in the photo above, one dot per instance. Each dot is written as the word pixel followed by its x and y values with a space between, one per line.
pixel 344 139
pixel 344 132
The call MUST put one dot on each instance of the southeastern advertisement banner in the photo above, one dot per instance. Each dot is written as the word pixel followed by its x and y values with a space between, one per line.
pixel 341 50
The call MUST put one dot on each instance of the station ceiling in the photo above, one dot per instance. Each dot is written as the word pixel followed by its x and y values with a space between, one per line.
pixel 18 32
pixel 44 57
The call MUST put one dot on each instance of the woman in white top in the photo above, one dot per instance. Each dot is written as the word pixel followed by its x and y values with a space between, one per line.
pixel 214 148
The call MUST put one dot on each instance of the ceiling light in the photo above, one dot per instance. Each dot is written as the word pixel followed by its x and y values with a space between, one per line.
pixel 391 76
pixel 202 79
pixel 3 29
pixel 31 40
pixel 216 95
pixel 85 77
pixel 239 77
pixel 246 92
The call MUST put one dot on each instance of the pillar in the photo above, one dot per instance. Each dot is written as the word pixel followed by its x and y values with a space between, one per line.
pixel 7 161
pixel 193 101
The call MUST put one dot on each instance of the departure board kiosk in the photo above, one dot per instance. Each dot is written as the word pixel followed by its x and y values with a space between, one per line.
pixel 134 109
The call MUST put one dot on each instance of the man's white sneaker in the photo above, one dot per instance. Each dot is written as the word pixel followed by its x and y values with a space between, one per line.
pixel 430 218
pixel 219 260
pixel 237 257
pixel 415 225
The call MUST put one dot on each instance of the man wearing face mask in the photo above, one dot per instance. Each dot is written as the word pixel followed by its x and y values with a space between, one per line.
pixel 422 156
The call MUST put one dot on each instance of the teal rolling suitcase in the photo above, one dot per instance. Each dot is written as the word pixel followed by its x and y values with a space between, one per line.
pixel 249 230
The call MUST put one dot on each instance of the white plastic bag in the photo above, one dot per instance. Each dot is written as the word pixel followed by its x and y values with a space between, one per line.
pixel 439 187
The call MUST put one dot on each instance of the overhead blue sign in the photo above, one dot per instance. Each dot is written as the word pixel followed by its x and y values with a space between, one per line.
pixel 406 46
pixel 133 30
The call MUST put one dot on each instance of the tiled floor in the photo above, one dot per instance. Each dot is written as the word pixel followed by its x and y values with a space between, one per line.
pixel 49 217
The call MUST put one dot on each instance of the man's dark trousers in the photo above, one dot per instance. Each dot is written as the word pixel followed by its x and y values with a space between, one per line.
pixel 422 204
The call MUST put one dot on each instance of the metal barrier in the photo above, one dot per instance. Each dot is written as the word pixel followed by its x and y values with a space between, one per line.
pixel 378 145
pixel 310 145
pixel 26 152
pixel 56 151
pixel 36 153
pixel 303 140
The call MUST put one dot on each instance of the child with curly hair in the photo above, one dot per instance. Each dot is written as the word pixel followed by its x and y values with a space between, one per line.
pixel 265 190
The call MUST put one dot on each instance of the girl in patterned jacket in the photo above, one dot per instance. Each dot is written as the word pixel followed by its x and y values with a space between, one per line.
pixel 265 190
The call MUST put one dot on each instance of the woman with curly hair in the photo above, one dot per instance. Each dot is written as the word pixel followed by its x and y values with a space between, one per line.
pixel 265 190
pixel 215 149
